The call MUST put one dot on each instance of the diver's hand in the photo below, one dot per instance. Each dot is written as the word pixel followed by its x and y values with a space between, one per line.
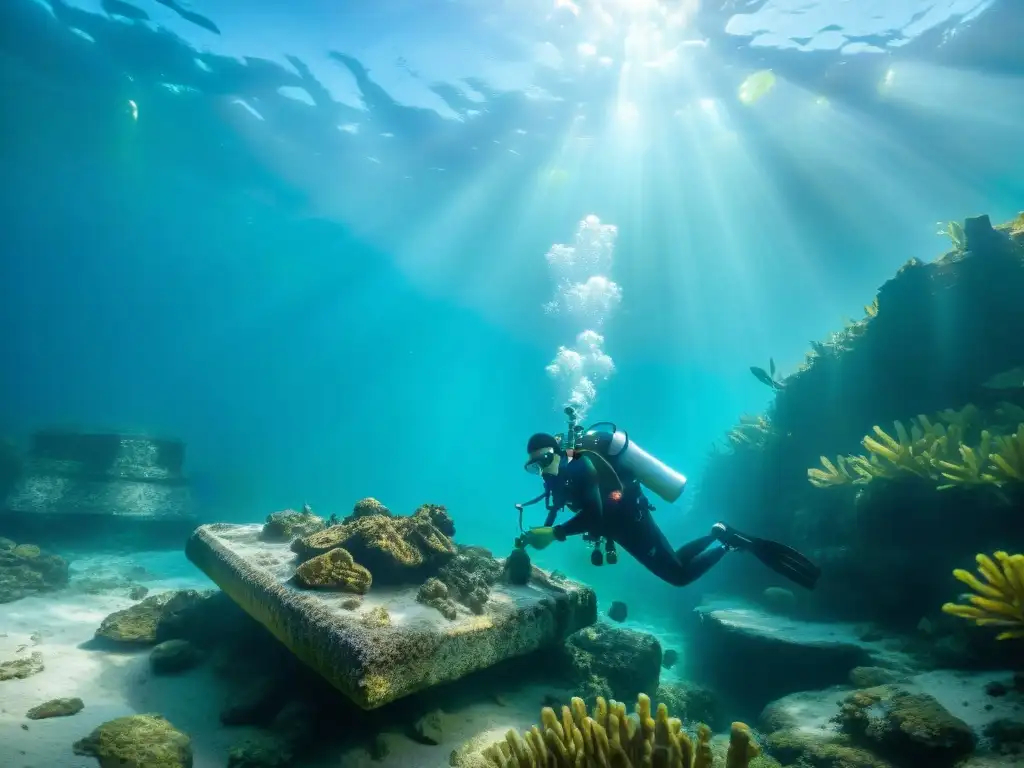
pixel 539 538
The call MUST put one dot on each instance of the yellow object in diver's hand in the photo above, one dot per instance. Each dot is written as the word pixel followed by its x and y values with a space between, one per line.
pixel 539 538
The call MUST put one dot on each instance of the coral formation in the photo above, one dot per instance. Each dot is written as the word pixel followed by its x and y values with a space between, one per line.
pixel 26 570
pixel 289 524
pixel 396 550
pixel 334 570
pixel 365 508
pixel 469 577
pixel 937 450
pixel 137 741
pixel 434 593
pixel 611 661
pixel 608 736
pixel 999 599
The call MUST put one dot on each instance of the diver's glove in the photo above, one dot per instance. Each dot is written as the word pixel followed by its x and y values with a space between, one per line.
pixel 538 538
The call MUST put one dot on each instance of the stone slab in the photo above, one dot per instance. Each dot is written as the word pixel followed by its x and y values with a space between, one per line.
pixel 756 656
pixel 375 665
pixel 46 490
pixel 108 474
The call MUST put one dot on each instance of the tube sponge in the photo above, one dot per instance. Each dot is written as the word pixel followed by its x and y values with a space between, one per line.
pixel 610 737
pixel 999 599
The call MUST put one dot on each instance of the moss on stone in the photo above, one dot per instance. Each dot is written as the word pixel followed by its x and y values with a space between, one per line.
pixel 336 569
pixel 137 741
pixel 56 708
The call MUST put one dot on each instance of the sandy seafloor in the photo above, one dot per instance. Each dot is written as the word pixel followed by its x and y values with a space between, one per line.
pixel 113 683
pixel 117 683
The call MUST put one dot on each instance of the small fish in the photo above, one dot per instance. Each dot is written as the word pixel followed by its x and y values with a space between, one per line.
pixel 1011 379
pixel 767 377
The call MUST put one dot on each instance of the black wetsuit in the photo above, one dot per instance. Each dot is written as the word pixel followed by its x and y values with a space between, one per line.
pixel 626 521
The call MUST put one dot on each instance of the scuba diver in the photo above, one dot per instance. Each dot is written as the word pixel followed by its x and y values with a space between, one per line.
pixel 599 475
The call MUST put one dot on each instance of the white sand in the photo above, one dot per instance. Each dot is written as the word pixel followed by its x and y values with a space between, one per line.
pixel 117 683
pixel 111 684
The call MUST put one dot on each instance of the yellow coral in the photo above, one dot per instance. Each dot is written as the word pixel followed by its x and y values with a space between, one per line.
pixel 934 451
pixel 334 570
pixel 608 737
pixel 999 599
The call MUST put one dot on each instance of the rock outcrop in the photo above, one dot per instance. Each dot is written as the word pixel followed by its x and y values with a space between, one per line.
pixel 27 570
pixel 137 741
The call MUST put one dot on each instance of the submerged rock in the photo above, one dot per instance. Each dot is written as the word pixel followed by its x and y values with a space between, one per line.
pixel 692 703
pixel 173 656
pixel 55 708
pixel 435 594
pixel 910 728
pixel 628 661
pixel 334 570
pixel 19 669
pixel 430 728
pixel 148 622
pixel 365 508
pixel 27 570
pixel 396 550
pixel 389 645
pixel 288 524
pixel 469 577
pixel 137 741
pixel 744 651
pixel 265 751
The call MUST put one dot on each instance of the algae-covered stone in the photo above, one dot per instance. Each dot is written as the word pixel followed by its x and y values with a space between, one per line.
pixel 366 508
pixel 396 550
pixel 792 747
pixel 390 645
pixel 469 577
pixel 26 570
pixel 435 594
pixel 630 661
pixel 334 570
pixel 55 708
pixel 376 618
pixel 173 656
pixel 19 669
pixel 908 727
pixel 137 741
pixel 141 623
pixel 289 524
pixel 266 751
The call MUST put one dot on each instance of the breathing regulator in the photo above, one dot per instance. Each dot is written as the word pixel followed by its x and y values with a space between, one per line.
pixel 612 451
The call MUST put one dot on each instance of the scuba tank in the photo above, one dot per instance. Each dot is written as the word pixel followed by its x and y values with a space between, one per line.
pixel 606 439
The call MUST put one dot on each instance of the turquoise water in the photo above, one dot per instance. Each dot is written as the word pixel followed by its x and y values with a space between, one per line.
pixel 311 242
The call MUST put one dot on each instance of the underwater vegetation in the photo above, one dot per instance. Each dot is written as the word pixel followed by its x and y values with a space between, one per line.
pixel 608 736
pixel 940 449
pixel 897 444
pixel 999 599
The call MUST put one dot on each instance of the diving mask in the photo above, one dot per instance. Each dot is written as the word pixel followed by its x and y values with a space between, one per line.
pixel 539 463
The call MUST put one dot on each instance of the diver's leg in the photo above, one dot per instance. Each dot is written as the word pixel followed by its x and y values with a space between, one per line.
pixel 644 540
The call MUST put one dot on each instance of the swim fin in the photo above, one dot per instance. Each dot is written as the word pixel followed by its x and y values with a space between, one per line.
pixel 782 559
